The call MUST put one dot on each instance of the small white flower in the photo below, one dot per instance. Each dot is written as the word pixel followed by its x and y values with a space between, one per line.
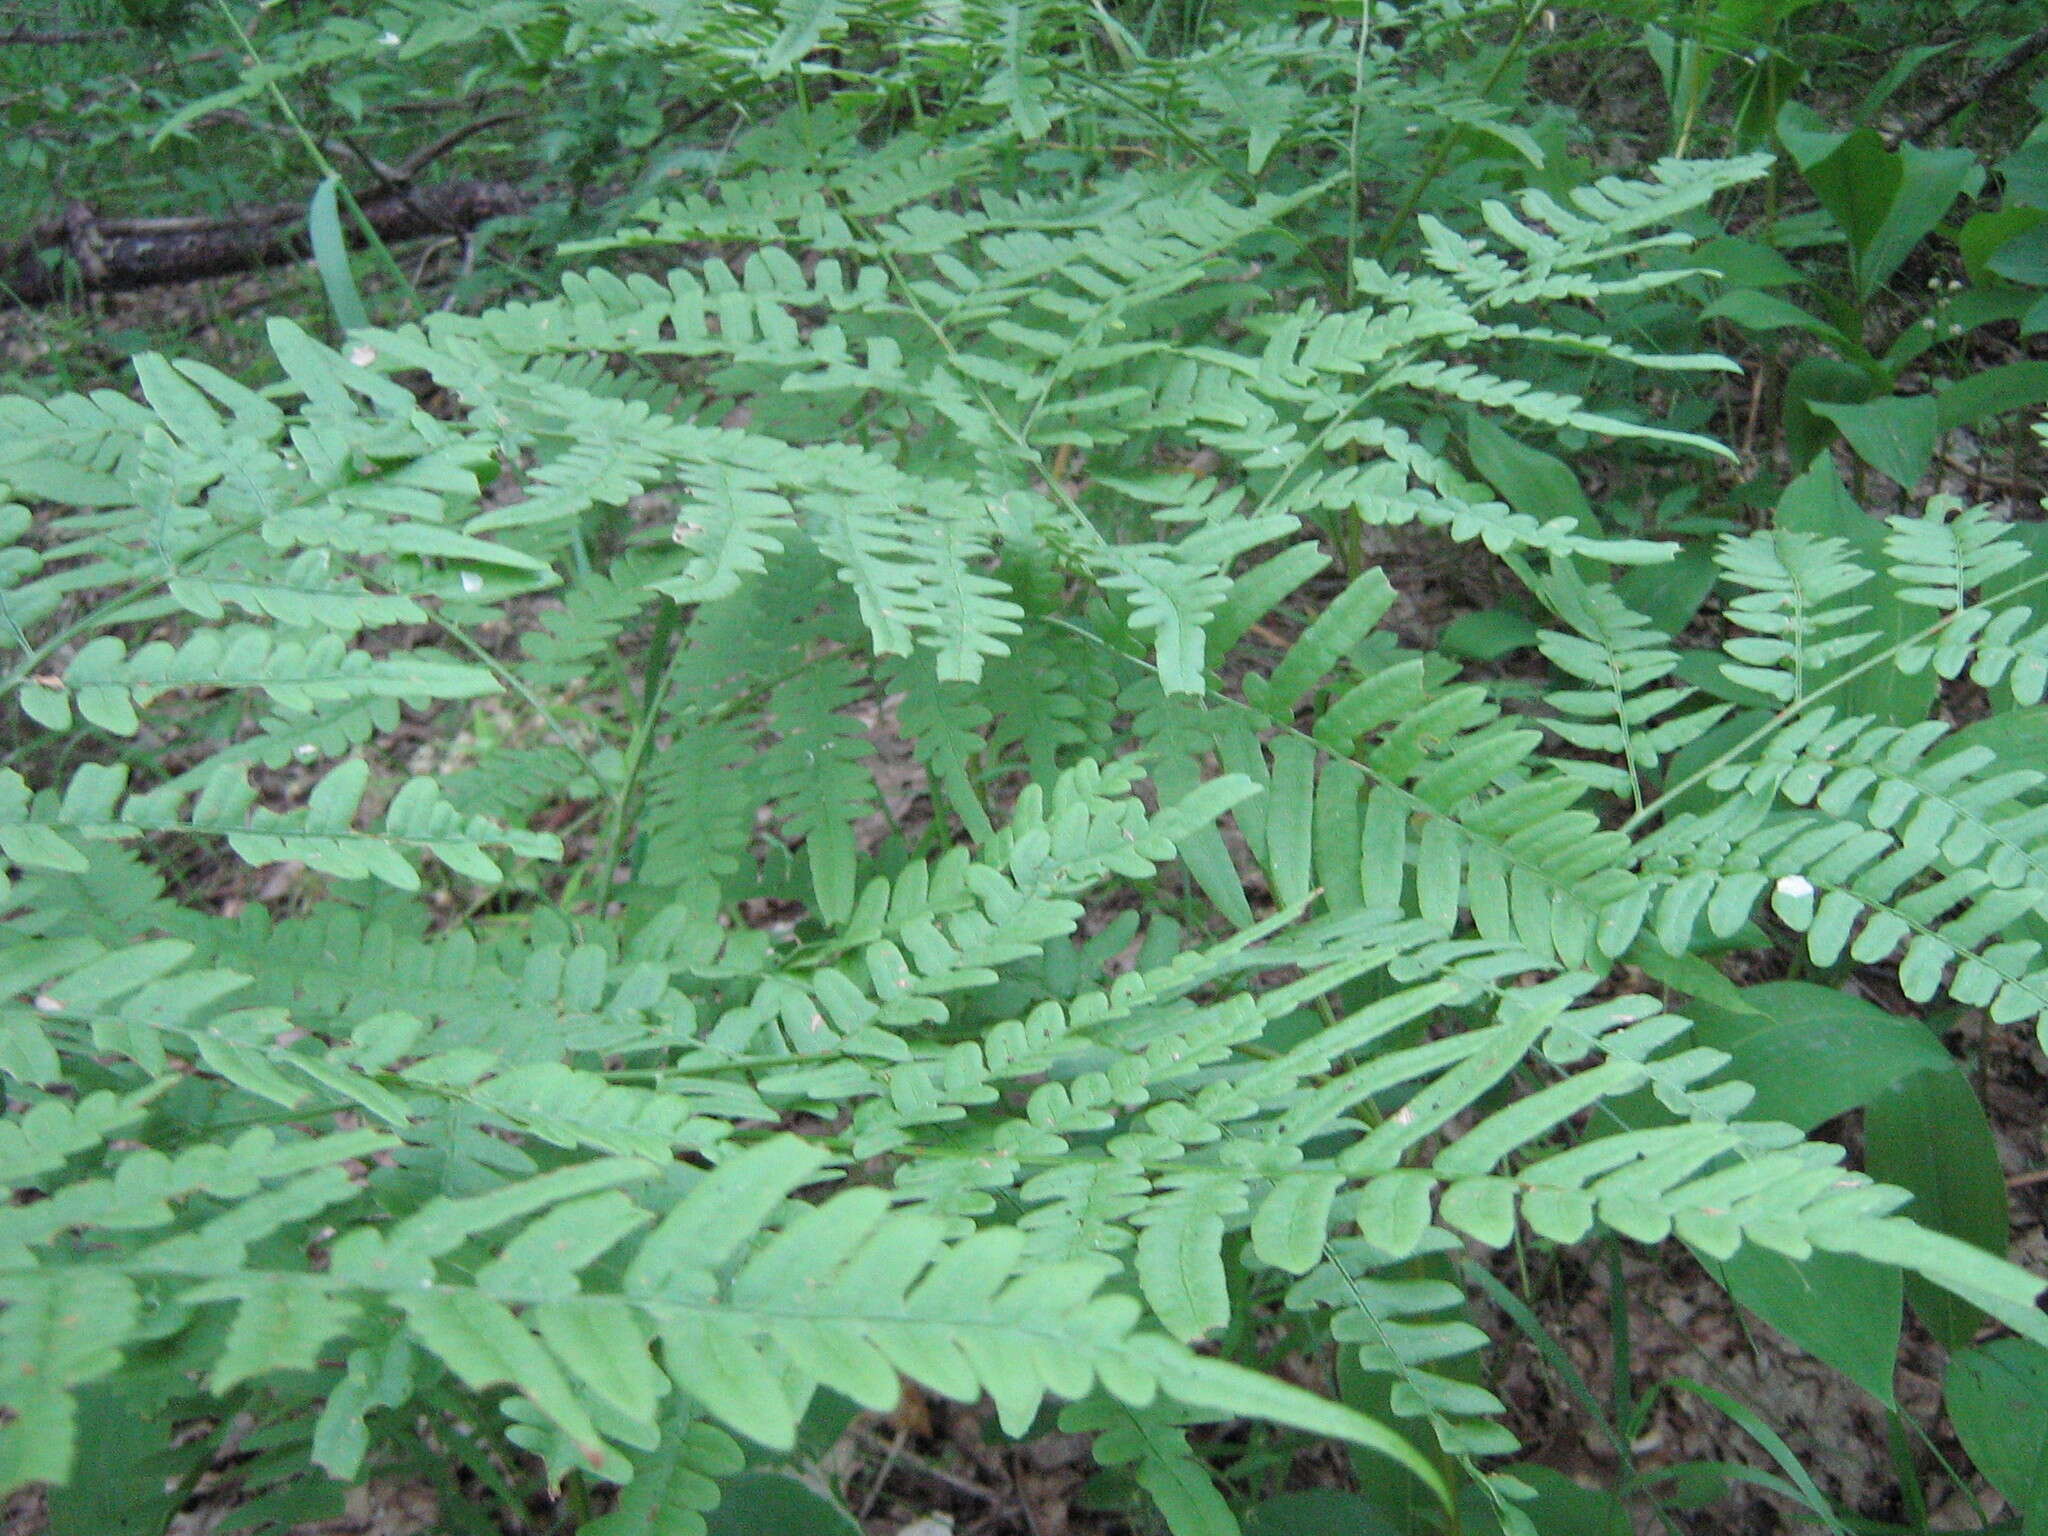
pixel 47 1004
pixel 305 751
pixel 472 583
pixel 362 357
pixel 390 39
pixel 1795 887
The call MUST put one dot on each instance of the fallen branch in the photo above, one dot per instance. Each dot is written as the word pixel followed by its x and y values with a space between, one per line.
pixel 115 255
pixel 1974 91
pixel 22 36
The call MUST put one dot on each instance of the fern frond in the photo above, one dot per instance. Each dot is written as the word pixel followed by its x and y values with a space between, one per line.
pixel 1630 708
pixel 1433 781
pixel 1939 558
pixel 1152 1442
pixel 107 683
pixel 748 1317
pixel 1411 1329
pixel 96 804
pixel 1850 889
pixel 525 1003
pixel 1789 609
pixel 1603 222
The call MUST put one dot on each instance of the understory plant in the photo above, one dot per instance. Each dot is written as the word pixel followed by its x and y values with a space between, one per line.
pixel 849 797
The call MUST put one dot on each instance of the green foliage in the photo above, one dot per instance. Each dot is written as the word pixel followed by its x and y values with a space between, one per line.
pixel 1017 910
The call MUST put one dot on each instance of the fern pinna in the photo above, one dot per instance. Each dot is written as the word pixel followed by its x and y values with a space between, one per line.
pixel 1208 976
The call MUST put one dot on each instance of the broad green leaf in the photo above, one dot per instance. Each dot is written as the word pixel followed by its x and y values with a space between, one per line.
pixel 1885 201
pixel 330 255
pixel 1528 479
pixel 1991 392
pixel 1669 595
pixel 1844 1311
pixel 1745 263
pixel 1764 312
pixel 776 1504
pixel 1895 435
pixel 1931 181
pixel 1984 235
pixel 2018 736
pixel 1490 633
pixel 1318 1512
pixel 1997 1398
pixel 1814 1052
pixel 1927 1133
pixel 2022 257
pixel 1815 381
pixel 1563 1507
pixel 2024 174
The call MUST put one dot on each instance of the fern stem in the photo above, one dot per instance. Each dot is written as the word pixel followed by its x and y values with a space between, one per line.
pixel 1342 419
pixel 1955 1475
pixel 1003 423
pixel 1621 1381
pixel 577 1489
pixel 1245 183
pixel 660 674
pixel 510 679
pixel 1524 1317
pixel 1454 1522
pixel 372 239
pixel 1353 200
pixel 102 618
pixel 1693 72
pixel 1416 804
pixel 1441 153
